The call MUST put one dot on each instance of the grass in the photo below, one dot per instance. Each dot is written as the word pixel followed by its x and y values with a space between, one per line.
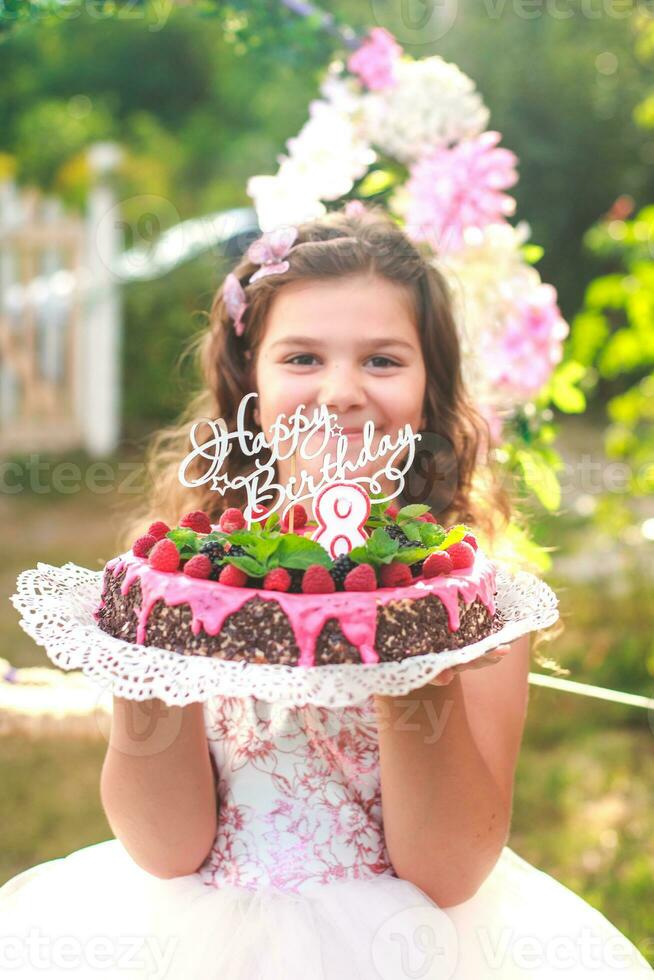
pixel 582 809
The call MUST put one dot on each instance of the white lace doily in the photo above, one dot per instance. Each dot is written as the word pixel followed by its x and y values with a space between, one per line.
pixel 57 604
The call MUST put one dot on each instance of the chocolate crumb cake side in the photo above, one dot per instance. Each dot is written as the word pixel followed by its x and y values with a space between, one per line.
pixel 269 595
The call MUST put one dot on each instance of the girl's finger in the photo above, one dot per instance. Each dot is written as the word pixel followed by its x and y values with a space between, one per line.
pixel 444 677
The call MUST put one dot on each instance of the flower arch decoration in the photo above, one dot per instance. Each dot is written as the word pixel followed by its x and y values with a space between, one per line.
pixel 415 132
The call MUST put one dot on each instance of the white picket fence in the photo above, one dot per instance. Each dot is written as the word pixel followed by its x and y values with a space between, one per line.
pixel 59 321
pixel 61 277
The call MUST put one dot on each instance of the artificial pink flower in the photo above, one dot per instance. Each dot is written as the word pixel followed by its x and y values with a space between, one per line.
pixel 459 187
pixel 374 61
pixel 269 250
pixel 354 209
pixel 523 358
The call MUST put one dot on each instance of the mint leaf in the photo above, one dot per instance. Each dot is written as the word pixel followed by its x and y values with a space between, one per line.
pixel 249 565
pixel 381 544
pixel 272 522
pixel 412 510
pixel 255 543
pixel 432 535
pixel 295 551
pixel 360 555
pixel 413 530
pixel 409 555
pixel 186 541
pixel 455 534
pixel 215 536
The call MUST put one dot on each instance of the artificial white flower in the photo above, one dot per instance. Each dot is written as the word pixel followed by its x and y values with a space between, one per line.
pixel 329 152
pixel 282 199
pixel 324 160
pixel 433 104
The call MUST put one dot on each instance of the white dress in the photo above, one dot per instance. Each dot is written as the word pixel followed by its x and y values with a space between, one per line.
pixel 298 885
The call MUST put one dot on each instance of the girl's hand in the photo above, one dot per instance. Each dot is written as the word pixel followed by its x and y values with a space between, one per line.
pixel 492 657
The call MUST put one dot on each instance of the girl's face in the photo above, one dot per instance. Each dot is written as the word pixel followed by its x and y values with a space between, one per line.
pixel 352 345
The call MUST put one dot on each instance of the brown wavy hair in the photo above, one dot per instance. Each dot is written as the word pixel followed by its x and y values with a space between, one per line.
pixel 453 470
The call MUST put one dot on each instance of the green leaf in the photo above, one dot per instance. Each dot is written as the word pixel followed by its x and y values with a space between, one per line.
pixel 272 522
pixel 412 510
pixel 413 529
pixel 564 393
pixel 409 555
pixel 375 182
pixel 453 536
pixel 532 253
pixel 249 565
pixel 186 541
pixel 360 555
pixel 432 535
pixel 258 546
pixel 294 551
pixel 381 544
pixel 540 478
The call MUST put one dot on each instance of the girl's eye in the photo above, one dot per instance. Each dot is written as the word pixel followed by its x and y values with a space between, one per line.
pixel 294 360
pixel 297 359
pixel 380 357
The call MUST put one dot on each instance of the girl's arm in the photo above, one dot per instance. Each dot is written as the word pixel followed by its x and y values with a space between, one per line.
pixel 447 757
pixel 157 785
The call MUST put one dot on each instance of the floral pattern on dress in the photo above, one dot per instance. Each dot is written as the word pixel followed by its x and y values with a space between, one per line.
pixel 299 794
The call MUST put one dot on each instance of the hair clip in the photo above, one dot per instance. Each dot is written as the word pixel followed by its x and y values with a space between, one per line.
pixel 270 250
pixel 234 299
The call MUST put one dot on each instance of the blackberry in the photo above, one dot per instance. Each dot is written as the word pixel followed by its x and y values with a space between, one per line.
pixel 214 551
pixel 236 550
pixel 396 532
pixel 416 568
pixel 339 570
pixel 296 579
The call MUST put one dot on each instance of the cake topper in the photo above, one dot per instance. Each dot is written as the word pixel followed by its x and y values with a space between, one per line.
pixel 289 436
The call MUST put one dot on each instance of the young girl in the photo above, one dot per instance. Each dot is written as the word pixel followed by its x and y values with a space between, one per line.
pixel 256 841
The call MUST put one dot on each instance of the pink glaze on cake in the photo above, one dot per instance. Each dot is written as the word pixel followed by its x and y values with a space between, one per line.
pixel 356 612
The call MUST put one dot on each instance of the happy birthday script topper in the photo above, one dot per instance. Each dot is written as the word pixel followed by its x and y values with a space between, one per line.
pixel 288 437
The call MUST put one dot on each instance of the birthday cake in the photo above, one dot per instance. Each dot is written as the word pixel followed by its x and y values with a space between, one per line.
pixel 271 593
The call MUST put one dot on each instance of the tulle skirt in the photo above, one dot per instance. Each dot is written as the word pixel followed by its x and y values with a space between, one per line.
pixel 97 913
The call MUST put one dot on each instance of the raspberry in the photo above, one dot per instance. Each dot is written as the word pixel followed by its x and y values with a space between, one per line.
pixel 158 530
pixel 299 518
pixel 197 520
pixel 361 579
pixel 395 575
pixel 438 563
pixel 257 513
pixel 340 568
pixel 143 545
pixel 231 575
pixel 429 518
pixel 278 579
pixel 231 520
pixel 164 556
pixel 461 554
pixel 471 540
pixel 198 566
pixel 317 579
pixel 392 511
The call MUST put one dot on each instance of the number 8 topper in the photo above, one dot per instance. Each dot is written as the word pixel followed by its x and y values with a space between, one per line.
pixel 341 509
